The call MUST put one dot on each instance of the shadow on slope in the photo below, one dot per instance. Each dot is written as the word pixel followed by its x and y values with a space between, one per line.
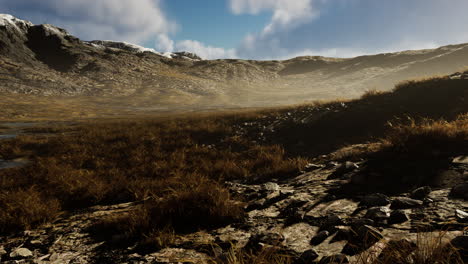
pixel 367 119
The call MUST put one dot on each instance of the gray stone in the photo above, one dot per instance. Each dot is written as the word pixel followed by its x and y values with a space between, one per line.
pixel 343 169
pixel 375 199
pixel 378 214
pixel 307 257
pixel 460 191
pixel 2 251
pixel 461 216
pixel 398 217
pixel 357 222
pixel 343 233
pixel 319 238
pixel 271 186
pixel 332 221
pixel 363 237
pixel 256 242
pixel 421 193
pixel 311 167
pixel 368 234
pixel 405 203
pixel 21 253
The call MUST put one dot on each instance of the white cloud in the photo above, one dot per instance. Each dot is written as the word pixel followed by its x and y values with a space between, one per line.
pixel 286 15
pixel 347 28
pixel 135 21
pixel 164 43
pixel 204 51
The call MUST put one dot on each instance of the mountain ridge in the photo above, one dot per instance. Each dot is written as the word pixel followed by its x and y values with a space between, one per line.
pixel 46 60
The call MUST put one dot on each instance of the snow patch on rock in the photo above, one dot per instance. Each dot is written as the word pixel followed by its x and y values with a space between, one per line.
pixel 9 20
pixel 123 46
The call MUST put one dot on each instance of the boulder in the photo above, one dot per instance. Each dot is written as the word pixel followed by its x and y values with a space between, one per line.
pixel 343 169
pixel 331 221
pixel 378 214
pixel 363 237
pixel 405 203
pixel 460 191
pixel 343 233
pixel 257 241
pixel 21 253
pixel 421 193
pixel 461 216
pixel 398 217
pixel 307 257
pixel 271 187
pixel 375 199
pixel 319 238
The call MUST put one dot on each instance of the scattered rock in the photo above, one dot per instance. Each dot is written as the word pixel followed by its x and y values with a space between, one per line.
pixel 311 167
pixel 461 216
pixel 319 238
pixel 378 214
pixel 307 257
pixel 20 253
pixel 398 217
pixel 271 187
pixel 405 203
pixel 343 169
pixel 363 237
pixel 343 233
pixel 331 221
pixel 335 259
pixel 460 191
pixel 460 160
pixel 257 242
pixel 375 199
pixel 2 251
pixel 421 193
pixel 427 201
pixel 357 222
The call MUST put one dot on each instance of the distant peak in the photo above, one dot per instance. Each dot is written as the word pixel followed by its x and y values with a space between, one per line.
pixel 9 20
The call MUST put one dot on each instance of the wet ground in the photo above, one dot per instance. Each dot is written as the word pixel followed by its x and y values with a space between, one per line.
pixel 10 131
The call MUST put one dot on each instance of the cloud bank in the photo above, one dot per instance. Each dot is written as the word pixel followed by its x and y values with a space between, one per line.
pixel 347 28
pixel 122 20
pixel 338 28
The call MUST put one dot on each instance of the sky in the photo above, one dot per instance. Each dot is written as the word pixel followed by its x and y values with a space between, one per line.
pixel 257 29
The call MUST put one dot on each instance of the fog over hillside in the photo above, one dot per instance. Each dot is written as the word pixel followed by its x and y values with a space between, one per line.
pixel 45 60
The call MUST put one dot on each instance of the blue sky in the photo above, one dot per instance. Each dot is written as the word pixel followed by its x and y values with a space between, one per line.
pixel 257 29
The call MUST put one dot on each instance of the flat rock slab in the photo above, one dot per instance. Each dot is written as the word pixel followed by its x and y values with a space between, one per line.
pixel 342 208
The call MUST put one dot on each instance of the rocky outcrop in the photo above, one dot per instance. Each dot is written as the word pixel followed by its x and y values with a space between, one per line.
pixel 297 217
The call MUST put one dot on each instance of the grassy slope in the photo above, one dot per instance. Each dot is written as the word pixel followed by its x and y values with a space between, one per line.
pixel 177 160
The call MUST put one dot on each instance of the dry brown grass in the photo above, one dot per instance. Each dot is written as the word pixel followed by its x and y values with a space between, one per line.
pixel 427 248
pixel 429 137
pixel 25 208
pixel 414 153
pixel 197 205
pixel 182 160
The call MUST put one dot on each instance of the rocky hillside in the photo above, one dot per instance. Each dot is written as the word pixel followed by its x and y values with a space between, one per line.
pixel 46 60
pixel 380 184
